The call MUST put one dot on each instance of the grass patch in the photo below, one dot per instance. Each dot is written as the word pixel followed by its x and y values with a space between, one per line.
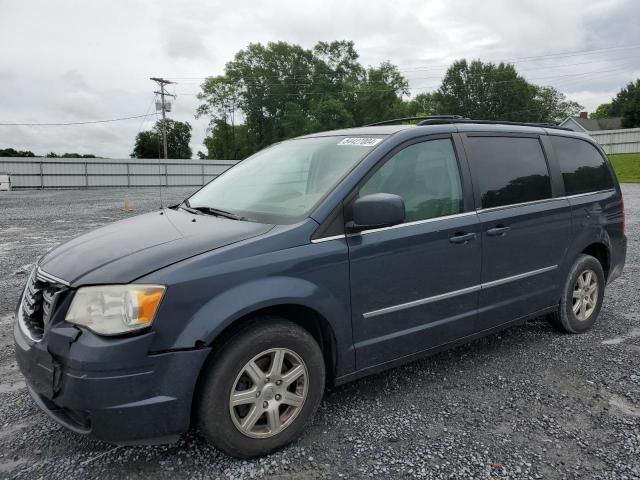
pixel 627 167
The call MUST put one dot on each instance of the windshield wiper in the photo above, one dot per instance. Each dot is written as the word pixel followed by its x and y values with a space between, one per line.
pixel 219 213
pixel 210 211
pixel 185 206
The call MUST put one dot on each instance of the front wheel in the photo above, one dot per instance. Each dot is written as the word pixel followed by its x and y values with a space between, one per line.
pixel 262 389
pixel 582 296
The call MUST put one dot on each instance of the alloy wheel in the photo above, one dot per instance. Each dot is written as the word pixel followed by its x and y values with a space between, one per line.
pixel 585 295
pixel 269 393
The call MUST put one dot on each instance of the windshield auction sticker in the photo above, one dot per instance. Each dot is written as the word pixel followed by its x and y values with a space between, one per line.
pixel 360 142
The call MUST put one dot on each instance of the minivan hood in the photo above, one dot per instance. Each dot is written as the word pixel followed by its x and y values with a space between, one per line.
pixel 128 249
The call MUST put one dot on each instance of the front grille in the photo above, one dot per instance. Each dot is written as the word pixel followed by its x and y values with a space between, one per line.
pixel 38 304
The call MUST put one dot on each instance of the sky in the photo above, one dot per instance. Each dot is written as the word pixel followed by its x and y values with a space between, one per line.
pixel 72 61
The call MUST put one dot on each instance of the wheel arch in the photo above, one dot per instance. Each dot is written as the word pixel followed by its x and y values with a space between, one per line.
pixel 601 252
pixel 304 316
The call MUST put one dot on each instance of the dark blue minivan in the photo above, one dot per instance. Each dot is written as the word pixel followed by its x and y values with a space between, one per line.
pixel 312 263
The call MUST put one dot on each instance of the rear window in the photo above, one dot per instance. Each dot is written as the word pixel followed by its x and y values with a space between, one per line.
pixel 508 170
pixel 583 167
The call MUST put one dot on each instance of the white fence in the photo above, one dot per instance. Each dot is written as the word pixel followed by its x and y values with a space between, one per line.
pixel 618 141
pixel 109 172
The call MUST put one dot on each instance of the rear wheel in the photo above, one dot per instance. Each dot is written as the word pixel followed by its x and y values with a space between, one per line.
pixel 581 297
pixel 262 389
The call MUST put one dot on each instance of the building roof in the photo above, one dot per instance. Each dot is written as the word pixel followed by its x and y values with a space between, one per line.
pixel 596 124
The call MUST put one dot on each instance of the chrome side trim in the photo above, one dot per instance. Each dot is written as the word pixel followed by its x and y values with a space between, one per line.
pixel 455 293
pixel 410 224
pixel 423 301
pixel 51 278
pixel 608 190
pixel 520 276
pixel 521 204
pixel 326 239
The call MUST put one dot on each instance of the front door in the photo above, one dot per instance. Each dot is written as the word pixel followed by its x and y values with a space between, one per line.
pixel 415 286
pixel 525 230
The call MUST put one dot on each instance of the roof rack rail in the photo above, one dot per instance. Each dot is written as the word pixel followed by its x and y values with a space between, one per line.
pixel 444 120
pixel 424 118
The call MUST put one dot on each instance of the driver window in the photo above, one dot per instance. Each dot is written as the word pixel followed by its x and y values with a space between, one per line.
pixel 427 178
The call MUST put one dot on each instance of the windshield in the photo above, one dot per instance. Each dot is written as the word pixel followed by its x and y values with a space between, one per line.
pixel 283 183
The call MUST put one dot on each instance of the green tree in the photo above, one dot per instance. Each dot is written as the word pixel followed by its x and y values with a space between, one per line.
pixel 603 111
pixel 379 96
pixel 549 105
pixel 282 90
pixel 11 152
pixel 423 104
pixel 149 143
pixel 485 91
pixel 497 92
pixel 626 104
pixel 221 147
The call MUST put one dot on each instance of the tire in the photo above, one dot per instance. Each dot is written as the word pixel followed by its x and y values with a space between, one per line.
pixel 248 429
pixel 566 319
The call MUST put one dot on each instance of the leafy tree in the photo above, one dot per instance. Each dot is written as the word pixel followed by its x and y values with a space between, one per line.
pixel 423 104
pixel 11 152
pixel 282 90
pixel 279 90
pixel 603 111
pixel 497 92
pixel 379 96
pixel 52 155
pixel 625 104
pixel 485 91
pixel 220 146
pixel 149 143
pixel 549 105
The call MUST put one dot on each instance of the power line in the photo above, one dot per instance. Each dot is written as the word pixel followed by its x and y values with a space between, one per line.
pixel 429 87
pixel 619 67
pixel 70 123
pixel 510 60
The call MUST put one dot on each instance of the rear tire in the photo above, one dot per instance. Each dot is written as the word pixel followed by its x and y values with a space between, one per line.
pixel 262 389
pixel 582 296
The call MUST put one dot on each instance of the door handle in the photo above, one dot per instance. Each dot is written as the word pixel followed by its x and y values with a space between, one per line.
pixel 498 231
pixel 462 237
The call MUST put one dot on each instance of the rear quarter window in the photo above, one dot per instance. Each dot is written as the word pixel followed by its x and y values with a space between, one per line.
pixel 508 170
pixel 583 168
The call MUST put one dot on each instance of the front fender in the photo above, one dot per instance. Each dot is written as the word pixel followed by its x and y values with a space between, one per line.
pixel 229 306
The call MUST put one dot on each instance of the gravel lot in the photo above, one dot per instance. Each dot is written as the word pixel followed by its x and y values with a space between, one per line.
pixel 527 403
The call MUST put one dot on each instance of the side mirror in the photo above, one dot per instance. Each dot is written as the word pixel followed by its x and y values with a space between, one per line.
pixel 376 210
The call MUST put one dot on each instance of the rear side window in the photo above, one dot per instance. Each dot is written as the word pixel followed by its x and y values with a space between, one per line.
pixel 583 167
pixel 508 170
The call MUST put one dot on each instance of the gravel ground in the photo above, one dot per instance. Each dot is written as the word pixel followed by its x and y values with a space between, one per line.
pixel 526 403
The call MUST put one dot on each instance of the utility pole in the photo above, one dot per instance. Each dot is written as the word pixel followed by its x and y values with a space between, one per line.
pixel 162 82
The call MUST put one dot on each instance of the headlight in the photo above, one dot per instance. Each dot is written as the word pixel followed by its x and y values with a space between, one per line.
pixel 115 309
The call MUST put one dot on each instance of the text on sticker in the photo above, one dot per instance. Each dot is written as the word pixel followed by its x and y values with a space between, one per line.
pixel 360 141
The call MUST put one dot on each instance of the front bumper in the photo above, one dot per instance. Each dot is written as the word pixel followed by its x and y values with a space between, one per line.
pixel 110 388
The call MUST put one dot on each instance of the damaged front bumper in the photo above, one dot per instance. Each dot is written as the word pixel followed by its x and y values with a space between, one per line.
pixel 110 388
